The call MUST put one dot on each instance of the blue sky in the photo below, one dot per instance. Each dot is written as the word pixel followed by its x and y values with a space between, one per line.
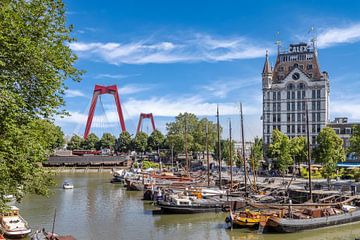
pixel 168 57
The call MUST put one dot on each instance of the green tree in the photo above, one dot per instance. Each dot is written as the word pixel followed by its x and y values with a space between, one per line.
pixel 35 60
pixel 196 133
pixel 355 141
pixel 91 143
pixel 155 140
pixel 107 141
pixel 123 143
pixel 140 142
pixel 279 150
pixel 75 143
pixel 225 151
pixel 328 151
pixel 257 153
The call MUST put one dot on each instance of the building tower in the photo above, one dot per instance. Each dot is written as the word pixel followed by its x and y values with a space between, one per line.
pixel 295 80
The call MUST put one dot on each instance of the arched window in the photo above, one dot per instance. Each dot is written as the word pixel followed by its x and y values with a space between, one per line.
pixel 301 86
pixel 290 86
pixel 296 65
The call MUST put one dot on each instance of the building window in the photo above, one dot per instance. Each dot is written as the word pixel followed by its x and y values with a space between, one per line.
pixel 279 106
pixel 290 86
pixel 268 106
pixel 288 117
pixel 279 96
pixel 318 117
pixel 318 93
pixel 313 117
pixel 318 105
pixel 303 105
pixel 299 117
pixel 288 106
pixel 268 117
pixel 288 129
pixel 279 117
pixel 301 86
pixel 292 95
pixel 298 94
pixel 299 128
pixel 268 95
pixel 313 128
pixel 288 95
pixel 274 106
pixel 303 94
pixel 293 128
pixel 337 130
pixel 347 130
pixel 313 94
pixel 301 66
pixel 293 106
pixel 313 140
pixel 274 95
pixel 313 105
pixel 293 117
pixel 309 67
pixel 274 117
pixel 318 128
pixel 298 106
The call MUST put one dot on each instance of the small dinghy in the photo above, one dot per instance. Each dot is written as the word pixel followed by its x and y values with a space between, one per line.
pixel 68 185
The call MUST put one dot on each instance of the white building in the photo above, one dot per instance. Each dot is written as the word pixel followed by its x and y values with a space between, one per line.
pixel 295 80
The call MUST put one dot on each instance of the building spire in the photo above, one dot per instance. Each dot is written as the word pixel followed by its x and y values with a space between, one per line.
pixel 267 67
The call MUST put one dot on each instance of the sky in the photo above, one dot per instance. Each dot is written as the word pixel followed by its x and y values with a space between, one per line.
pixel 170 57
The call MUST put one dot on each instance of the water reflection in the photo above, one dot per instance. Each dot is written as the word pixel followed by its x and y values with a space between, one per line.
pixel 96 209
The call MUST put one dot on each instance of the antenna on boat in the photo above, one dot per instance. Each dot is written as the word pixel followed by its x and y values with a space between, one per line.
pixel 186 148
pixel 207 152
pixel 243 147
pixel 53 226
pixel 219 144
pixel 231 160
pixel 308 148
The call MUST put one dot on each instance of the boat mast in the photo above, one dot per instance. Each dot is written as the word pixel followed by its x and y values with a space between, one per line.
pixel 243 147
pixel 186 148
pixel 53 226
pixel 308 148
pixel 207 152
pixel 219 144
pixel 231 160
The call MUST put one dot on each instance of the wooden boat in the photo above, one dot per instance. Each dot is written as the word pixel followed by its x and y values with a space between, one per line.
pixel 188 205
pixel 13 225
pixel 43 235
pixel 289 225
pixel 245 218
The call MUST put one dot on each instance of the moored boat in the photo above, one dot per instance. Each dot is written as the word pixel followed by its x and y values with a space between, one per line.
pixel 13 225
pixel 68 185
pixel 43 235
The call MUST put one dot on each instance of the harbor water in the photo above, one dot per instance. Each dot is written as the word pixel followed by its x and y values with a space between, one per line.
pixel 98 210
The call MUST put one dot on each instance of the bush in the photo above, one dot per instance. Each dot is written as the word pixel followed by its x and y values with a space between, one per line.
pixel 147 164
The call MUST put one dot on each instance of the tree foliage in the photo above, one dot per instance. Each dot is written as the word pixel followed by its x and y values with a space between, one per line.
pixel 196 133
pixel 279 150
pixel 155 140
pixel 329 151
pixel 257 153
pixel 35 60
pixel 107 141
pixel 140 142
pixel 124 143
pixel 91 143
pixel 355 141
pixel 75 143
pixel 298 149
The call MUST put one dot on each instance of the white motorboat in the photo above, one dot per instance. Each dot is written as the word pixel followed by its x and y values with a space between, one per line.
pixel 13 225
pixel 68 185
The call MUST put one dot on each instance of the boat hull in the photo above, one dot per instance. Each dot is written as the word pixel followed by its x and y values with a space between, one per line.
pixel 17 234
pixel 188 209
pixel 296 225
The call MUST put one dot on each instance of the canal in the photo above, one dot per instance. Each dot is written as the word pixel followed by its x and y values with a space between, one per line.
pixel 98 210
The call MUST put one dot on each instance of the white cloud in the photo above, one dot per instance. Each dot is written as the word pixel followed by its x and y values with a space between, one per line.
pixel 163 107
pixel 221 88
pixel 73 93
pixel 337 35
pixel 115 76
pixel 346 108
pixel 199 47
pixel 131 89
